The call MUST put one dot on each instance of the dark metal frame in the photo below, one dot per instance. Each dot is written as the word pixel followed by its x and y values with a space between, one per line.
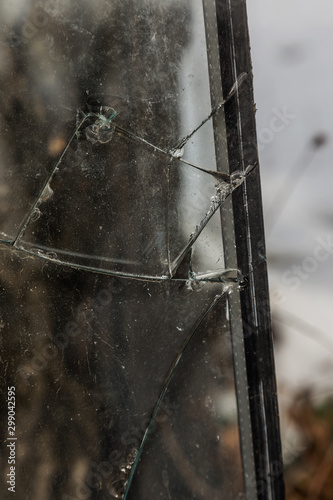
pixel 249 233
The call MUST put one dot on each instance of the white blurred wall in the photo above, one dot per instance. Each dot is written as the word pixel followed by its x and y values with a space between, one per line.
pixel 292 44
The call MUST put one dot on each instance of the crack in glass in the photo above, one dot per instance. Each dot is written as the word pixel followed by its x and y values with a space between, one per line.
pixel 103 124
pixel 118 285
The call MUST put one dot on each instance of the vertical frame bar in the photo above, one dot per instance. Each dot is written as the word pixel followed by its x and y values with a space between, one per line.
pixel 250 248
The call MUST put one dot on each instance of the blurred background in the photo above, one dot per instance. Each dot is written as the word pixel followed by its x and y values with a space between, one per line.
pixel 292 44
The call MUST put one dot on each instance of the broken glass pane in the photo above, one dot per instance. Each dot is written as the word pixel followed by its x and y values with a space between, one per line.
pixel 127 281
pixel 91 362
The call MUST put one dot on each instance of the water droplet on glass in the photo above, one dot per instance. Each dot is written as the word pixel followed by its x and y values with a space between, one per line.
pixel 37 251
pixel 35 215
pixel 115 488
pixel 46 194
pixel 102 129
pixel 52 255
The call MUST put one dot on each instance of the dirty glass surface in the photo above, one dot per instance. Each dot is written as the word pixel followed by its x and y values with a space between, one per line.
pixel 122 344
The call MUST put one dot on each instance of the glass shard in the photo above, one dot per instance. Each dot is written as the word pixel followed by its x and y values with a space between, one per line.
pixel 87 365
pixel 104 186
pixel 178 462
